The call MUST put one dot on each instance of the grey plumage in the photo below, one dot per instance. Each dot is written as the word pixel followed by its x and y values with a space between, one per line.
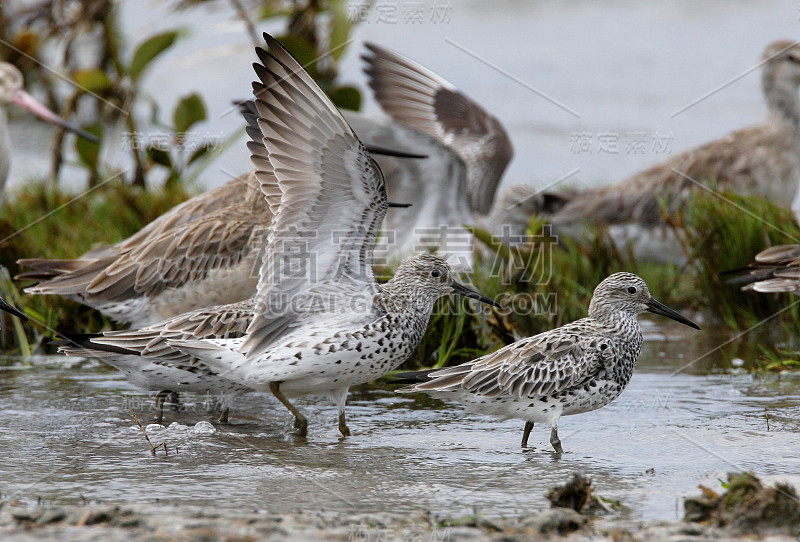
pixel 321 321
pixel 145 357
pixel 206 251
pixel 576 368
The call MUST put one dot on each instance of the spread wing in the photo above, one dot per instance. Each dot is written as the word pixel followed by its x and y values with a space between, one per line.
pixel 415 96
pixel 333 196
pixel 542 365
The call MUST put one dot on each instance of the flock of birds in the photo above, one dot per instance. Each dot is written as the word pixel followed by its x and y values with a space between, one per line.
pixel 266 283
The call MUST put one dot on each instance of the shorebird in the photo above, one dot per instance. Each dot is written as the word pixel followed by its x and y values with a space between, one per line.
pixel 11 92
pixel 576 368
pixel 762 160
pixel 321 322
pixel 11 309
pixel 203 253
pixel 775 270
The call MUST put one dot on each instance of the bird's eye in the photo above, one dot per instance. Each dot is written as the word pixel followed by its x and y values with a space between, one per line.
pixel 436 273
pixel 631 290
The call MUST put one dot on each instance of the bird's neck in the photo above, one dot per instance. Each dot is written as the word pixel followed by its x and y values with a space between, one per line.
pixel 398 298
pixel 782 99
pixel 622 323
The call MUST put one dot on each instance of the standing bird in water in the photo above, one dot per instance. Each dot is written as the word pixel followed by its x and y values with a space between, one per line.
pixel 576 368
pixel 11 92
pixel 321 322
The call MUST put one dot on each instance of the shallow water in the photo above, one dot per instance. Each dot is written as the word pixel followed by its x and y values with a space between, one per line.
pixel 67 435
pixel 670 55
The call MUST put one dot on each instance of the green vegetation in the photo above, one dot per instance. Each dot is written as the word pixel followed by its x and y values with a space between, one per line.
pixel 542 285
pixel 43 222
pixel 720 234
pixel 107 75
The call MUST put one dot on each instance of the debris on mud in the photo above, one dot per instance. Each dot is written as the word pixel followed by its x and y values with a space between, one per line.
pixel 747 506
pixel 579 495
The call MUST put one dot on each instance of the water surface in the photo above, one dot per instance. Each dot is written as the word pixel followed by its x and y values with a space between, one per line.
pixel 68 436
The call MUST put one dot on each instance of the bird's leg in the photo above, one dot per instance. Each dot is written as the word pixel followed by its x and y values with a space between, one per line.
pixel 340 396
pixel 300 421
pixel 174 399
pixel 223 415
pixel 160 398
pixel 526 433
pixel 555 441
pixel 343 429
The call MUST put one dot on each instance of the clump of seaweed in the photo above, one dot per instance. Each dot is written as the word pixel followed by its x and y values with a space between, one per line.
pixel 579 495
pixel 747 506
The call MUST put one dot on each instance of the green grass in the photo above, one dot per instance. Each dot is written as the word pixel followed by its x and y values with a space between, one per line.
pixel 555 280
pixel 40 222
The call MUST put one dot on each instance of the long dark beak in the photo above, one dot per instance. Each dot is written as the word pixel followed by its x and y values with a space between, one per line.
pixel 9 308
pixel 657 307
pixel 375 149
pixel 460 289
pixel 400 205
pixel 26 101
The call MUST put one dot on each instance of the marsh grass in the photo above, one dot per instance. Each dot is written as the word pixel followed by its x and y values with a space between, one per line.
pixel 721 233
pixel 542 285
pixel 39 221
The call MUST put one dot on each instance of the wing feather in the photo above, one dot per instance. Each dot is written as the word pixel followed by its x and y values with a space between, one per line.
pixel 333 197
pixel 543 365
pixel 417 97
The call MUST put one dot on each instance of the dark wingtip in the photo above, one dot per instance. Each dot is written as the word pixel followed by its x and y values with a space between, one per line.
pixel 410 377
pixel 11 309
pixel 84 340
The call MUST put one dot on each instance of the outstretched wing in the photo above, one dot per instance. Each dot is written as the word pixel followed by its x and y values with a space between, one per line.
pixel 415 96
pixel 333 196
pixel 542 365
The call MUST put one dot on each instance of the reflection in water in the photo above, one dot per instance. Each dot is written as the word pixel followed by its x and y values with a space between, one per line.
pixel 68 434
